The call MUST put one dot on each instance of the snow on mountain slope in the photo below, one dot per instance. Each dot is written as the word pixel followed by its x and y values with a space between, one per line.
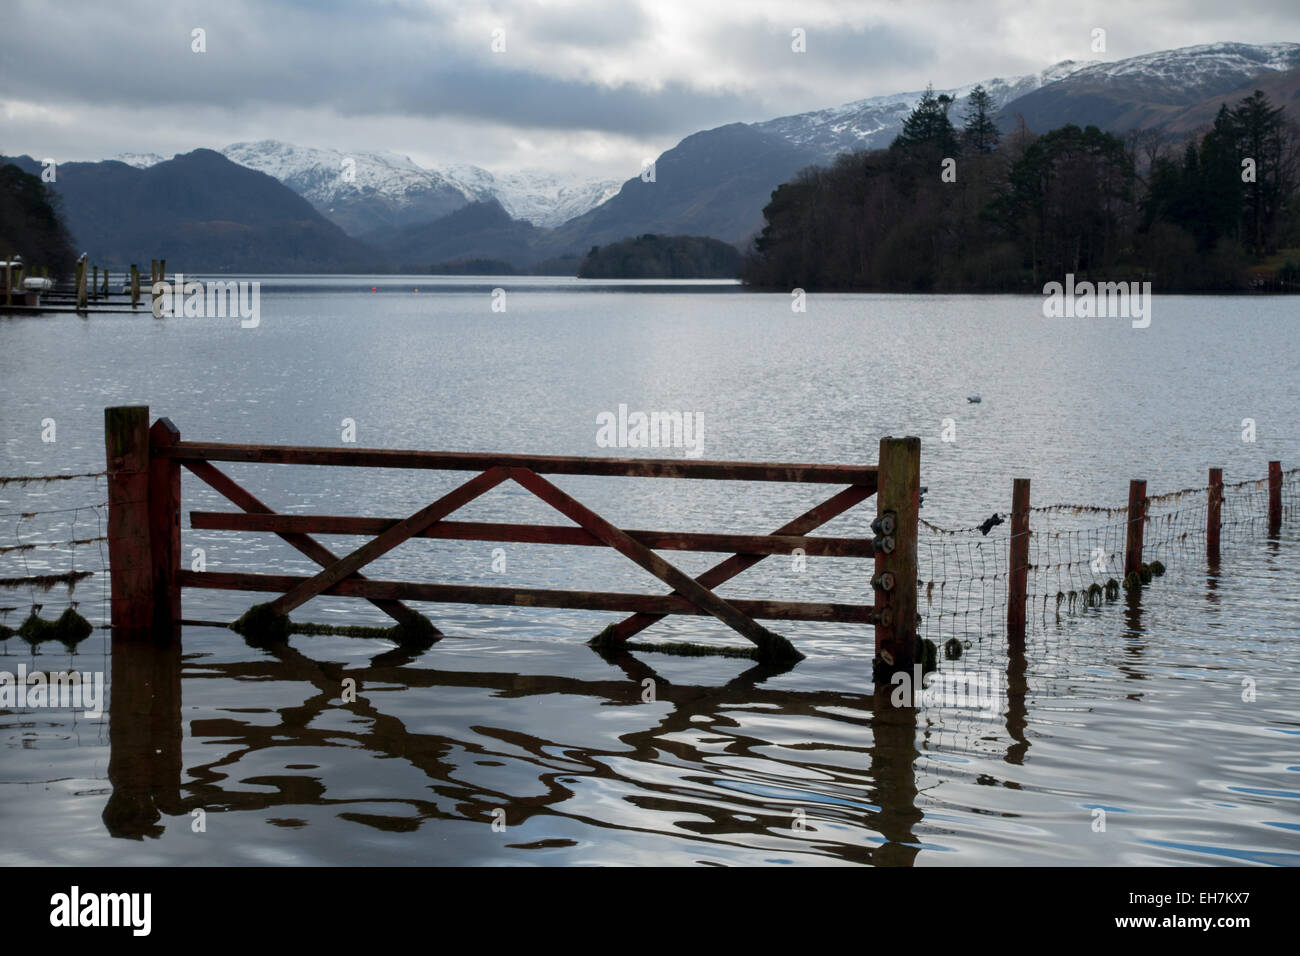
pixel 1191 67
pixel 873 122
pixel 1177 77
pixel 139 160
pixel 365 191
pixel 547 199
pixel 1152 90
pixel 358 191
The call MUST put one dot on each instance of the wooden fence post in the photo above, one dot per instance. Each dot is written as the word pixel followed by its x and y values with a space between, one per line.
pixel 1018 561
pixel 1214 515
pixel 81 284
pixel 135 286
pixel 1274 497
pixel 153 272
pixel 1137 514
pixel 126 440
pixel 94 284
pixel 106 292
pixel 165 531
pixel 9 281
pixel 898 495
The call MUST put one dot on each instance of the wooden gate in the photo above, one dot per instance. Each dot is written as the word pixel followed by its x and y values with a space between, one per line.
pixel 144 466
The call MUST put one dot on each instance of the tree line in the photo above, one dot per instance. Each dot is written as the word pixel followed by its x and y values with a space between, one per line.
pixel 30 223
pixel 653 256
pixel 948 208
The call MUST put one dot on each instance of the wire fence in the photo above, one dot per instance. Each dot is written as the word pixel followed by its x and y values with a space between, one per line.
pixel 45 553
pixel 1076 557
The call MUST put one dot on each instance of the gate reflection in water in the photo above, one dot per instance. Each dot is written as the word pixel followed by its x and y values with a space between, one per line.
pixel 149 793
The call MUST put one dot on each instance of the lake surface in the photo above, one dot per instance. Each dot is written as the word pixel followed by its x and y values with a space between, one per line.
pixel 1134 708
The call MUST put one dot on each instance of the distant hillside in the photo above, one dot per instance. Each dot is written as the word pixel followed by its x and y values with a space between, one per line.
pixel 662 257
pixel 713 183
pixel 719 180
pixel 30 225
pixel 1283 89
pixel 1152 90
pixel 201 212
pixel 481 230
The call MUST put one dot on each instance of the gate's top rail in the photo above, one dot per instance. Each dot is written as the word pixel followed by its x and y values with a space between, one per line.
pixel 541 464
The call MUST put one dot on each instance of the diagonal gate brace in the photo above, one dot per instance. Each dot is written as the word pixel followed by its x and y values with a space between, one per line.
pixel 771 645
pixel 727 569
pixel 238 495
pixel 390 539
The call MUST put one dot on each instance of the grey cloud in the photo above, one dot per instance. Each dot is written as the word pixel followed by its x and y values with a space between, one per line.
pixel 285 57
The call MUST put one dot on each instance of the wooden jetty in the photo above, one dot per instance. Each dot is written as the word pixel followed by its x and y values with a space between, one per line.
pixel 92 288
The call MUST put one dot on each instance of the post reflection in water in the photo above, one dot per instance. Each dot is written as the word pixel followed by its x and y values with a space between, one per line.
pixel 1017 713
pixel 144 733
pixel 1135 645
pixel 875 786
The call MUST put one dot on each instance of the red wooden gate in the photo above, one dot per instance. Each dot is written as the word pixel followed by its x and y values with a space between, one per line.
pixel 145 511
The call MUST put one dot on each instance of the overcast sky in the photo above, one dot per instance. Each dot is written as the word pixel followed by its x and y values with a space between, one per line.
pixel 585 86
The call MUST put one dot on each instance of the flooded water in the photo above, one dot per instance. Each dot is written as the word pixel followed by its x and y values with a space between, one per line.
pixel 1159 728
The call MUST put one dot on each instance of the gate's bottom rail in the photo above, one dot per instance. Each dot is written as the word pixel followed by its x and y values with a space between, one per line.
pixel 532 597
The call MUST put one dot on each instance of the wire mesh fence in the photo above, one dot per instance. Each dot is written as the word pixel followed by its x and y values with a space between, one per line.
pixel 47 552
pixel 1076 557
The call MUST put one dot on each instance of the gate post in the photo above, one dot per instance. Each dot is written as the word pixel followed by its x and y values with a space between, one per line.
pixel 898 490
pixel 165 531
pixel 130 561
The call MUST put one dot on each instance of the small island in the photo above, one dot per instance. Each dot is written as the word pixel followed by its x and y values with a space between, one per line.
pixel 653 256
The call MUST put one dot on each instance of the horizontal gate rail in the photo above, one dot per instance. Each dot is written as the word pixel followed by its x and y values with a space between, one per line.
pixel 144 466
pixel 541 464
pixel 529 597
pixel 759 544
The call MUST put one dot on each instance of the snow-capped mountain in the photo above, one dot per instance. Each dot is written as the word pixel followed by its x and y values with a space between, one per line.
pixel 1155 90
pixel 366 191
pixel 1168 77
pixel 1193 69
pixel 543 198
pixel 873 122
pixel 139 160
pixel 358 191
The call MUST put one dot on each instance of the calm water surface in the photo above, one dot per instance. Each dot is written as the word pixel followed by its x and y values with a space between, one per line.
pixel 1135 708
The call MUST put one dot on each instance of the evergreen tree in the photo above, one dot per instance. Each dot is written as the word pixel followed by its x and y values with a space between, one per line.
pixel 927 128
pixel 1259 131
pixel 980 132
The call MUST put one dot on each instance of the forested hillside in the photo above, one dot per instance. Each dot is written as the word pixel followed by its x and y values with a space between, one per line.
pixel 961 207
